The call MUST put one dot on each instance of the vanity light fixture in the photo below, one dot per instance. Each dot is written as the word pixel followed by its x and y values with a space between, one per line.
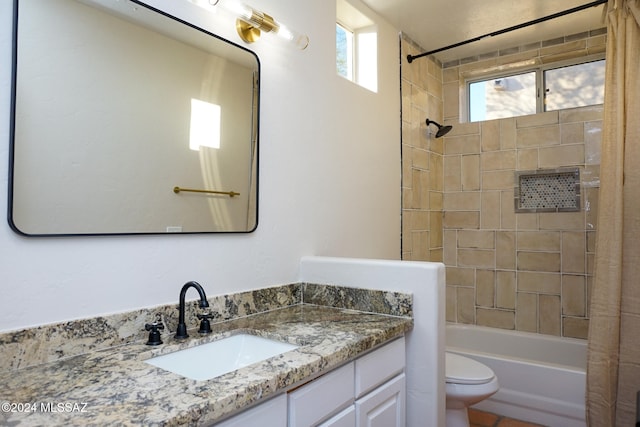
pixel 251 22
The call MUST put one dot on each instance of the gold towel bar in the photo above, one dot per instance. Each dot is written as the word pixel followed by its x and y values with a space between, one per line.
pixel 191 190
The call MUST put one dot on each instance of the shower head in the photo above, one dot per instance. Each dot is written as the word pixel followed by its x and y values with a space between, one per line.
pixel 442 130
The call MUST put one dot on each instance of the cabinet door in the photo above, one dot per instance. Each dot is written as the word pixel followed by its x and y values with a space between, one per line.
pixel 384 406
pixel 272 413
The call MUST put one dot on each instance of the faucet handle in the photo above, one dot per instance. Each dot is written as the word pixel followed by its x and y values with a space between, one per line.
pixel 154 334
pixel 205 324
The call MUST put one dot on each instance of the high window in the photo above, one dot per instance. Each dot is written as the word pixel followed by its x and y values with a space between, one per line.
pixel 547 88
pixel 356 46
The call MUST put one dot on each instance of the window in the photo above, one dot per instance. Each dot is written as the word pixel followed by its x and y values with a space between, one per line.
pixel 356 46
pixel 344 52
pixel 548 88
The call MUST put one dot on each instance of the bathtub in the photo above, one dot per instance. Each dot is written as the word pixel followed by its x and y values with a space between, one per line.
pixel 542 378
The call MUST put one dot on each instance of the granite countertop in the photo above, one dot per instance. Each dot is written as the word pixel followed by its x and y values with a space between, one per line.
pixel 115 386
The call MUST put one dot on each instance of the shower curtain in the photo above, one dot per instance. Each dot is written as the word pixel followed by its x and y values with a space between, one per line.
pixel 613 368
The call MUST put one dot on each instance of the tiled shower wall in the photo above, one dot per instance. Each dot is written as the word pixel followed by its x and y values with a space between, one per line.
pixel 524 271
pixel 422 158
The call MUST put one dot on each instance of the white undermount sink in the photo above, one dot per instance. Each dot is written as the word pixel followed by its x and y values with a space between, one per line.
pixel 216 358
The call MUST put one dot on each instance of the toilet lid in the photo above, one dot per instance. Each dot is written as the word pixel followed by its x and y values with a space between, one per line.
pixel 463 370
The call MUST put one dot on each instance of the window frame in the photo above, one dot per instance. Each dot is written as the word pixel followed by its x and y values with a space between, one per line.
pixel 351 59
pixel 539 79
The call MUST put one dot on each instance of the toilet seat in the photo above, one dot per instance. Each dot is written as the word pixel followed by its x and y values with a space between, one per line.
pixel 463 370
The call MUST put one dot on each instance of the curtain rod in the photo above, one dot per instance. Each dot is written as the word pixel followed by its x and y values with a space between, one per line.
pixel 410 58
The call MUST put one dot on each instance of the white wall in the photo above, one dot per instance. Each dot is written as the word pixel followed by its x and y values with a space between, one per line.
pixel 425 342
pixel 329 185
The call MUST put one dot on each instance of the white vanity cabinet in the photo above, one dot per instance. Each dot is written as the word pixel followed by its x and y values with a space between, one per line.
pixel 367 392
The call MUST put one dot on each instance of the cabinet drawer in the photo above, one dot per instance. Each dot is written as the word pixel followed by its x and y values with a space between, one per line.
pixel 271 413
pixel 322 398
pixel 379 366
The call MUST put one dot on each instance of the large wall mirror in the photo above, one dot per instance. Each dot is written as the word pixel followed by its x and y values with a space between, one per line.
pixel 126 120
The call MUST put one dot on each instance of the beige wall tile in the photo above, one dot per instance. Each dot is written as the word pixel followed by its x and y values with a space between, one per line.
pixel 562 221
pixel 434 86
pixel 466 144
pixel 436 145
pixel 435 200
pixel 476 239
pixel 508 219
pixel 435 238
pixel 498 180
pixel 536 120
pixel 508 133
pixel 527 159
pixel 436 255
pixel 419 158
pixel 498 160
pixel 575 327
pixel 539 241
pixel 480 258
pixel 506 250
pixel 419 180
pixel 452 173
pixel 538 136
pixel 450 250
pixel 527 221
pixel 564 47
pixel 564 155
pixel 468 128
pixel 490 135
pixel 593 138
pixel 436 173
pixel 496 318
pixel 572 133
pixel 591 241
pixel 527 312
pixel 538 261
pixel 574 295
pixel 574 247
pixel 583 114
pixel 485 288
pixel 470 174
pixel 506 289
pixel 418 97
pixel 450 296
pixel 544 283
pixel 549 314
pixel 416 219
pixel 420 245
pixel 462 220
pixel 490 210
pixel 451 91
pixel 462 201
pixel 461 276
pixel 465 305
pixel 450 75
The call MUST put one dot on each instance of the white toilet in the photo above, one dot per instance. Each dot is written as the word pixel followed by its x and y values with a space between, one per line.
pixel 468 382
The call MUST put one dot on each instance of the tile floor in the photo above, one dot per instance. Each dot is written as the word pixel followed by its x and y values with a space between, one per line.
pixel 487 419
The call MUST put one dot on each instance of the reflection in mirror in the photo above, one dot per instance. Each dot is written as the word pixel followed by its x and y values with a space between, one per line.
pixel 117 104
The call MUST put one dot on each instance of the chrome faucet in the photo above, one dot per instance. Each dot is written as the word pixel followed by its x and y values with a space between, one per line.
pixel 181 330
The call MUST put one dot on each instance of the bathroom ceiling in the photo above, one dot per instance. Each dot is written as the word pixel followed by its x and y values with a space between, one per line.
pixel 438 23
